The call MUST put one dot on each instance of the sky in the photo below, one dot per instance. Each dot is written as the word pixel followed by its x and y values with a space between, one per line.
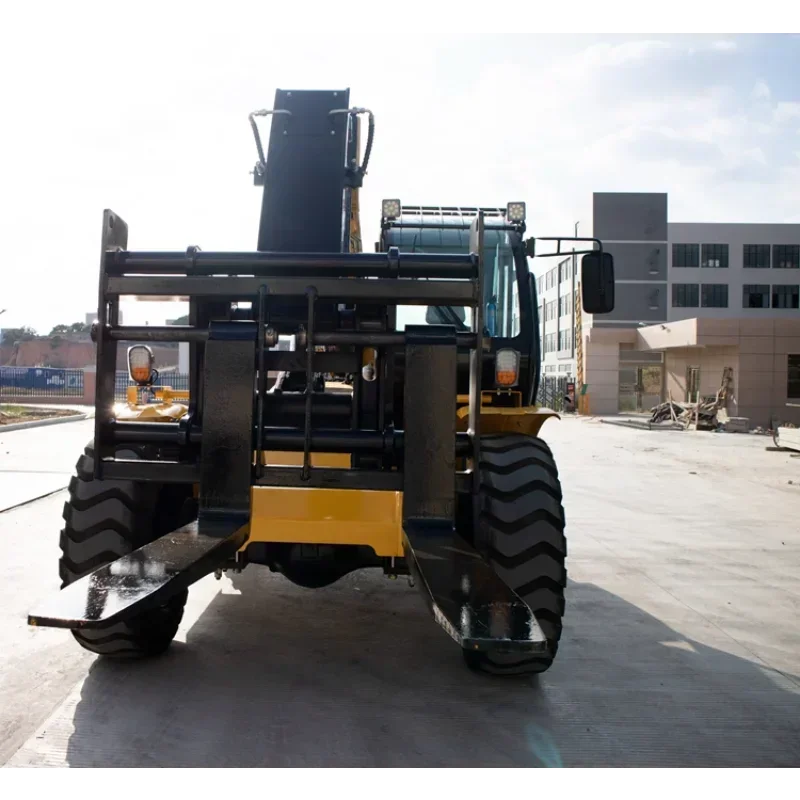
pixel 146 113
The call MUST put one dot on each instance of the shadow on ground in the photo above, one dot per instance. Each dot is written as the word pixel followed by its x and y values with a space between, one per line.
pixel 359 675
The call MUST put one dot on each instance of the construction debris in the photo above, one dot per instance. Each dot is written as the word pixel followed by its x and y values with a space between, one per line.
pixel 707 414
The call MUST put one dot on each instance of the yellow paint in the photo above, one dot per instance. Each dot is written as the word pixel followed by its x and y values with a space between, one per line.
pixel 277 458
pixel 168 409
pixel 327 516
pixel 488 397
pixel 150 412
pixel 502 419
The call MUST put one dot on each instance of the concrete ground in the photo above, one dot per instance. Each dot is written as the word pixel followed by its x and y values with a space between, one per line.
pixel 36 461
pixel 681 645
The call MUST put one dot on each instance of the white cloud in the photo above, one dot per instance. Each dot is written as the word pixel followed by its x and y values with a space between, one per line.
pixel 761 91
pixel 785 112
pixel 471 124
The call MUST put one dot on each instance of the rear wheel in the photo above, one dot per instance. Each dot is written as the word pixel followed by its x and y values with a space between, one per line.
pixel 521 531
pixel 108 519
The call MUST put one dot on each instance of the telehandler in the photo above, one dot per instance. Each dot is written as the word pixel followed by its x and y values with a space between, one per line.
pixel 427 462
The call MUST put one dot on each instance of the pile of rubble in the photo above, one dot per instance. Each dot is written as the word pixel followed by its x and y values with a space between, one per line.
pixel 703 415
pixel 708 414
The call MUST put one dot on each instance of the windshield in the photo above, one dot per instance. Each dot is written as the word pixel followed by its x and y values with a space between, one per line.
pixel 500 289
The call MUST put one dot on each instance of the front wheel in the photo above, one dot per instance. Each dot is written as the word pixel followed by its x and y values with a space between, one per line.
pixel 521 527
pixel 105 520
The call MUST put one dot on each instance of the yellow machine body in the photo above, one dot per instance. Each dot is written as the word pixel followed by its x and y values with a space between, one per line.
pixel 495 418
pixel 336 516
pixel 171 406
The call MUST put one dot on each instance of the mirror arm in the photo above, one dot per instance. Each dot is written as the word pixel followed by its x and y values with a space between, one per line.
pixel 530 246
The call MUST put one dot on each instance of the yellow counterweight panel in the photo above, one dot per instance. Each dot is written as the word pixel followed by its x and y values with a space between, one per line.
pixel 327 516
pixel 500 419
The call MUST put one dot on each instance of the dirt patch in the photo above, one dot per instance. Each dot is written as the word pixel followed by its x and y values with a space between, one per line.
pixel 11 415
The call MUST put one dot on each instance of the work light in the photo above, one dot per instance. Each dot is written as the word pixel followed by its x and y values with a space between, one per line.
pixel 390 209
pixel 515 212
pixel 140 364
pixel 506 368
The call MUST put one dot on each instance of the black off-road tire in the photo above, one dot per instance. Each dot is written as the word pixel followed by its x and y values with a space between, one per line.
pixel 108 519
pixel 521 529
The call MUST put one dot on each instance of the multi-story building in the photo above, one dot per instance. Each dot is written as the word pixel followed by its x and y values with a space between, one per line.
pixel 675 284
pixel 734 270
pixel 555 288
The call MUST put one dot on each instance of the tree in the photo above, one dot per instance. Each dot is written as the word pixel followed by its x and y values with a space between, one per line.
pixel 13 335
pixel 75 328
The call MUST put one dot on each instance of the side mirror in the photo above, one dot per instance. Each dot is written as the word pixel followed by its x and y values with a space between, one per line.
pixel 597 283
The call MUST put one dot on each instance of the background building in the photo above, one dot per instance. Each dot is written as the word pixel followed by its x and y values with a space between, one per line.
pixel 738 283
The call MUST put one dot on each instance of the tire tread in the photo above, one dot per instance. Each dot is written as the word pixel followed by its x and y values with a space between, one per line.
pixel 104 520
pixel 522 519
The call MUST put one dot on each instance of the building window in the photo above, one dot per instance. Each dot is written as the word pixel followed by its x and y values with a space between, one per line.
pixel 652 260
pixel 755 295
pixel 564 270
pixel 786 256
pixel 550 368
pixel 686 255
pixel 539 286
pixel 714 295
pixel 715 256
pixel 793 378
pixel 685 295
pixel 653 299
pixel 785 296
pixel 564 305
pixel 564 367
pixel 550 343
pixel 756 256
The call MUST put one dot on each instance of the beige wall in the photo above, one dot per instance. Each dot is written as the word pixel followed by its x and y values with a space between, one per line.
pixel 763 346
pixel 711 362
pixel 601 360
pixel 756 349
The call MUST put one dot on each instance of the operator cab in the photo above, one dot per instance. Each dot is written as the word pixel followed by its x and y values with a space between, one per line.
pixel 509 313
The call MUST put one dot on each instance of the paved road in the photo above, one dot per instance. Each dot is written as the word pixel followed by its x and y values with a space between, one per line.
pixel 681 643
pixel 35 461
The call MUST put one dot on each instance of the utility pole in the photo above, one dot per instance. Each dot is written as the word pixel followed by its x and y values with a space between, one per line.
pixel 2 311
pixel 574 298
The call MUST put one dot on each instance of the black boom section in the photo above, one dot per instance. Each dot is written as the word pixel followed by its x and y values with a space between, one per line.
pixel 302 207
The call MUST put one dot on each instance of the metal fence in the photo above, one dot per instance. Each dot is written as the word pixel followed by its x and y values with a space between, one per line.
pixel 176 380
pixel 552 391
pixel 51 382
pixel 20 382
